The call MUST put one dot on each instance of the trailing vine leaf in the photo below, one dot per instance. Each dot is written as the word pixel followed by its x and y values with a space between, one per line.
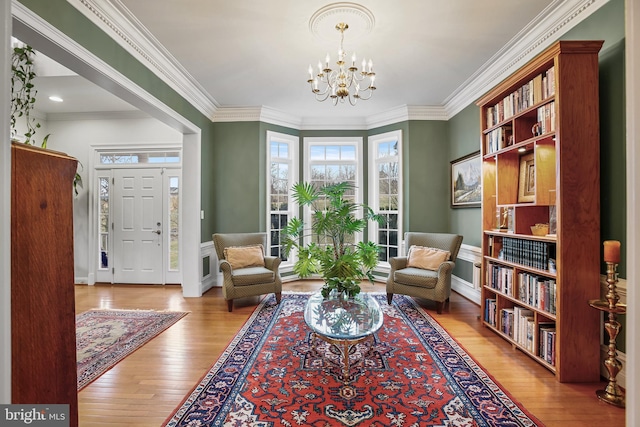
pixel 23 92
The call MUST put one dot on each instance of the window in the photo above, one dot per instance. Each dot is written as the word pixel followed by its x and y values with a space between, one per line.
pixel 385 192
pixel 282 158
pixel 334 160
pixel 174 223
pixel 103 221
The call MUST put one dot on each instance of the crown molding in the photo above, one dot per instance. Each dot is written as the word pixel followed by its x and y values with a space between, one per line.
pixel 555 20
pixel 114 19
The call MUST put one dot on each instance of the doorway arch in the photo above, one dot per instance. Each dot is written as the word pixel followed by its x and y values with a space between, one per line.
pixel 31 29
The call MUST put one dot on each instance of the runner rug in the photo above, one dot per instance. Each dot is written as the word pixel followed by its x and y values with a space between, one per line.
pixel 105 337
pixel 414 374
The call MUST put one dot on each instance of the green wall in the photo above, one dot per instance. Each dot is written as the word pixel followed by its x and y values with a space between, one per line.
pixel 464 139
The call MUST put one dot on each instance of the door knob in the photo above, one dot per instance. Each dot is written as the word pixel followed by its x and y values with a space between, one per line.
pixel 157 232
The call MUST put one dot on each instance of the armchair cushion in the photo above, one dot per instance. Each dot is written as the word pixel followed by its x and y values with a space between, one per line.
pixel 244 256
pixel 420 277
pixel 426 258
pixel 252 276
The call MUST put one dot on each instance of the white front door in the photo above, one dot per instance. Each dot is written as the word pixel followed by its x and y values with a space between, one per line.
pixel 137 226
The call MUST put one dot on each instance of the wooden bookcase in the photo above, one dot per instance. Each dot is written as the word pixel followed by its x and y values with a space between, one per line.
pixel 43 323
pixel 540 154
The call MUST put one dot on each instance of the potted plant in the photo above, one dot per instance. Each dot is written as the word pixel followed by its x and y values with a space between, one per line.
pixel 333 252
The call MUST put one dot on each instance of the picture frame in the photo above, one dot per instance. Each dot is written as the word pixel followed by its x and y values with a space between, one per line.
pixel 465 181
pixel 527 179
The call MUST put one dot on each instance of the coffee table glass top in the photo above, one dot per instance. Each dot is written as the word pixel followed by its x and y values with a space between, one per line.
pixel 343 319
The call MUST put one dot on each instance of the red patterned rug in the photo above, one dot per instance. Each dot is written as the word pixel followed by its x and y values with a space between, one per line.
pixel 413 375
pixel 105 337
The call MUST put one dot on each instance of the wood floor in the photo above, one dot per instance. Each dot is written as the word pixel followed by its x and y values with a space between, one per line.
pixel 145 388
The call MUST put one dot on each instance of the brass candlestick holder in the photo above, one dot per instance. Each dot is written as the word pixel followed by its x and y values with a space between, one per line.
pixel 612 393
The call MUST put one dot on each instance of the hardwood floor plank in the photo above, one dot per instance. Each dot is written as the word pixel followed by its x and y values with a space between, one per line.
pixel 144 388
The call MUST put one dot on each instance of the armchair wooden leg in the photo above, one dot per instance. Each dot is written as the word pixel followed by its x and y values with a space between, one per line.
pixel 230 305
pixel 439 305
pixel 389 298
pixel 278 297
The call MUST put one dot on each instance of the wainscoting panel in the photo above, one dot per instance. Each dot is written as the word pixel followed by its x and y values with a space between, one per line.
pixel 471 291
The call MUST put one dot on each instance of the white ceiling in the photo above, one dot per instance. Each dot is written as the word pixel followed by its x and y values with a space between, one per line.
pixel 245 53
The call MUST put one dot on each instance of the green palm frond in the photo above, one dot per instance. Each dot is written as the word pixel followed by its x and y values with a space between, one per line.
pixel 335 220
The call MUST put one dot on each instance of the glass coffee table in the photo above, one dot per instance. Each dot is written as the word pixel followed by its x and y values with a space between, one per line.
pixel 343 322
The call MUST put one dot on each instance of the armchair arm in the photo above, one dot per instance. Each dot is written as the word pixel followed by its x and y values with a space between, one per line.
pixel 272 263
pixel 446 268
pixel 397 263
pixel 225 266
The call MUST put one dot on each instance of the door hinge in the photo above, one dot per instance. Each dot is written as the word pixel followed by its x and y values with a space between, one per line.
pixel 112 227
pixel 113 270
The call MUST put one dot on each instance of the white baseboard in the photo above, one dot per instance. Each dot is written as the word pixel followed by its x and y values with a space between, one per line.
pixel 465 289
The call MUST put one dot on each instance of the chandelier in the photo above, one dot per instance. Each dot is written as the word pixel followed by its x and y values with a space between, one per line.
pixel 346 82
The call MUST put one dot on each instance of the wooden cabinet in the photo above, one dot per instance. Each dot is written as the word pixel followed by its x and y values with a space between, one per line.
pixel 43 329
pixel 540 165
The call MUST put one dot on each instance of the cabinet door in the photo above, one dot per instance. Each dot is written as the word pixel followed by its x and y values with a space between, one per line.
pixel 43 330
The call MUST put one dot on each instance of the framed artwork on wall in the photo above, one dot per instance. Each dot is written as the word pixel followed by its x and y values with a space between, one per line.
pixel 527 181
pixel 466 189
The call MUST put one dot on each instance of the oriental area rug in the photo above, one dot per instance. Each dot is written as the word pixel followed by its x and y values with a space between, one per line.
pixel 413 374
pixel 105 337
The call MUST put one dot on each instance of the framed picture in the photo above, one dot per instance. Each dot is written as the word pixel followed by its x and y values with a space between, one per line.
pixel 527 181
pixel 466 187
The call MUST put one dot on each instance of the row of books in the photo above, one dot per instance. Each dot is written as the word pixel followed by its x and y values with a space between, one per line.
pixel 546 116
pixel 490 308
pixel 531 253
pixel 498 139
pixel 537 291
pixel 547 344
pixel 523 327
pixel 531 93
pixel 501 278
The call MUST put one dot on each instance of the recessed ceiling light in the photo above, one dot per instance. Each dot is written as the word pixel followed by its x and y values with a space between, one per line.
pixel 56 99
pixel 522 149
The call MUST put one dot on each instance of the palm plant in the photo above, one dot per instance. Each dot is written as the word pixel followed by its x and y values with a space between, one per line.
pixel 333 253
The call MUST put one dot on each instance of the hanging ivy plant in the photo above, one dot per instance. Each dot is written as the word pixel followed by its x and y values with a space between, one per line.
pixel 23 92
pixel 23 100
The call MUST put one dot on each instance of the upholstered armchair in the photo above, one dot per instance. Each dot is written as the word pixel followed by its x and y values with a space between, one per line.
pixel 245 269
pixel 426 270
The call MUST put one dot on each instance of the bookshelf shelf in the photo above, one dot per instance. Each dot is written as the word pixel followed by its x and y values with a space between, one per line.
pixel 540 165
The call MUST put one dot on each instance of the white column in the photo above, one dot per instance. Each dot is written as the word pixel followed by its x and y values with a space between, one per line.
pixel 5 204
pixel 632 60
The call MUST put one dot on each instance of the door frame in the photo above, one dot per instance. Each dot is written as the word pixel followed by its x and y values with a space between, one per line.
pixel 95 167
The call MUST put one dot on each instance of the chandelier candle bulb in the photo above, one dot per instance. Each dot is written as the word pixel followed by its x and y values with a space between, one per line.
pixel 612 251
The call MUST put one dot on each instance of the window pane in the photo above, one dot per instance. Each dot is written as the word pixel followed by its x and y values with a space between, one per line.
pixel 174 223
pixel 332 152
pixel 103 226
pixel 348 152
pixel 317 152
